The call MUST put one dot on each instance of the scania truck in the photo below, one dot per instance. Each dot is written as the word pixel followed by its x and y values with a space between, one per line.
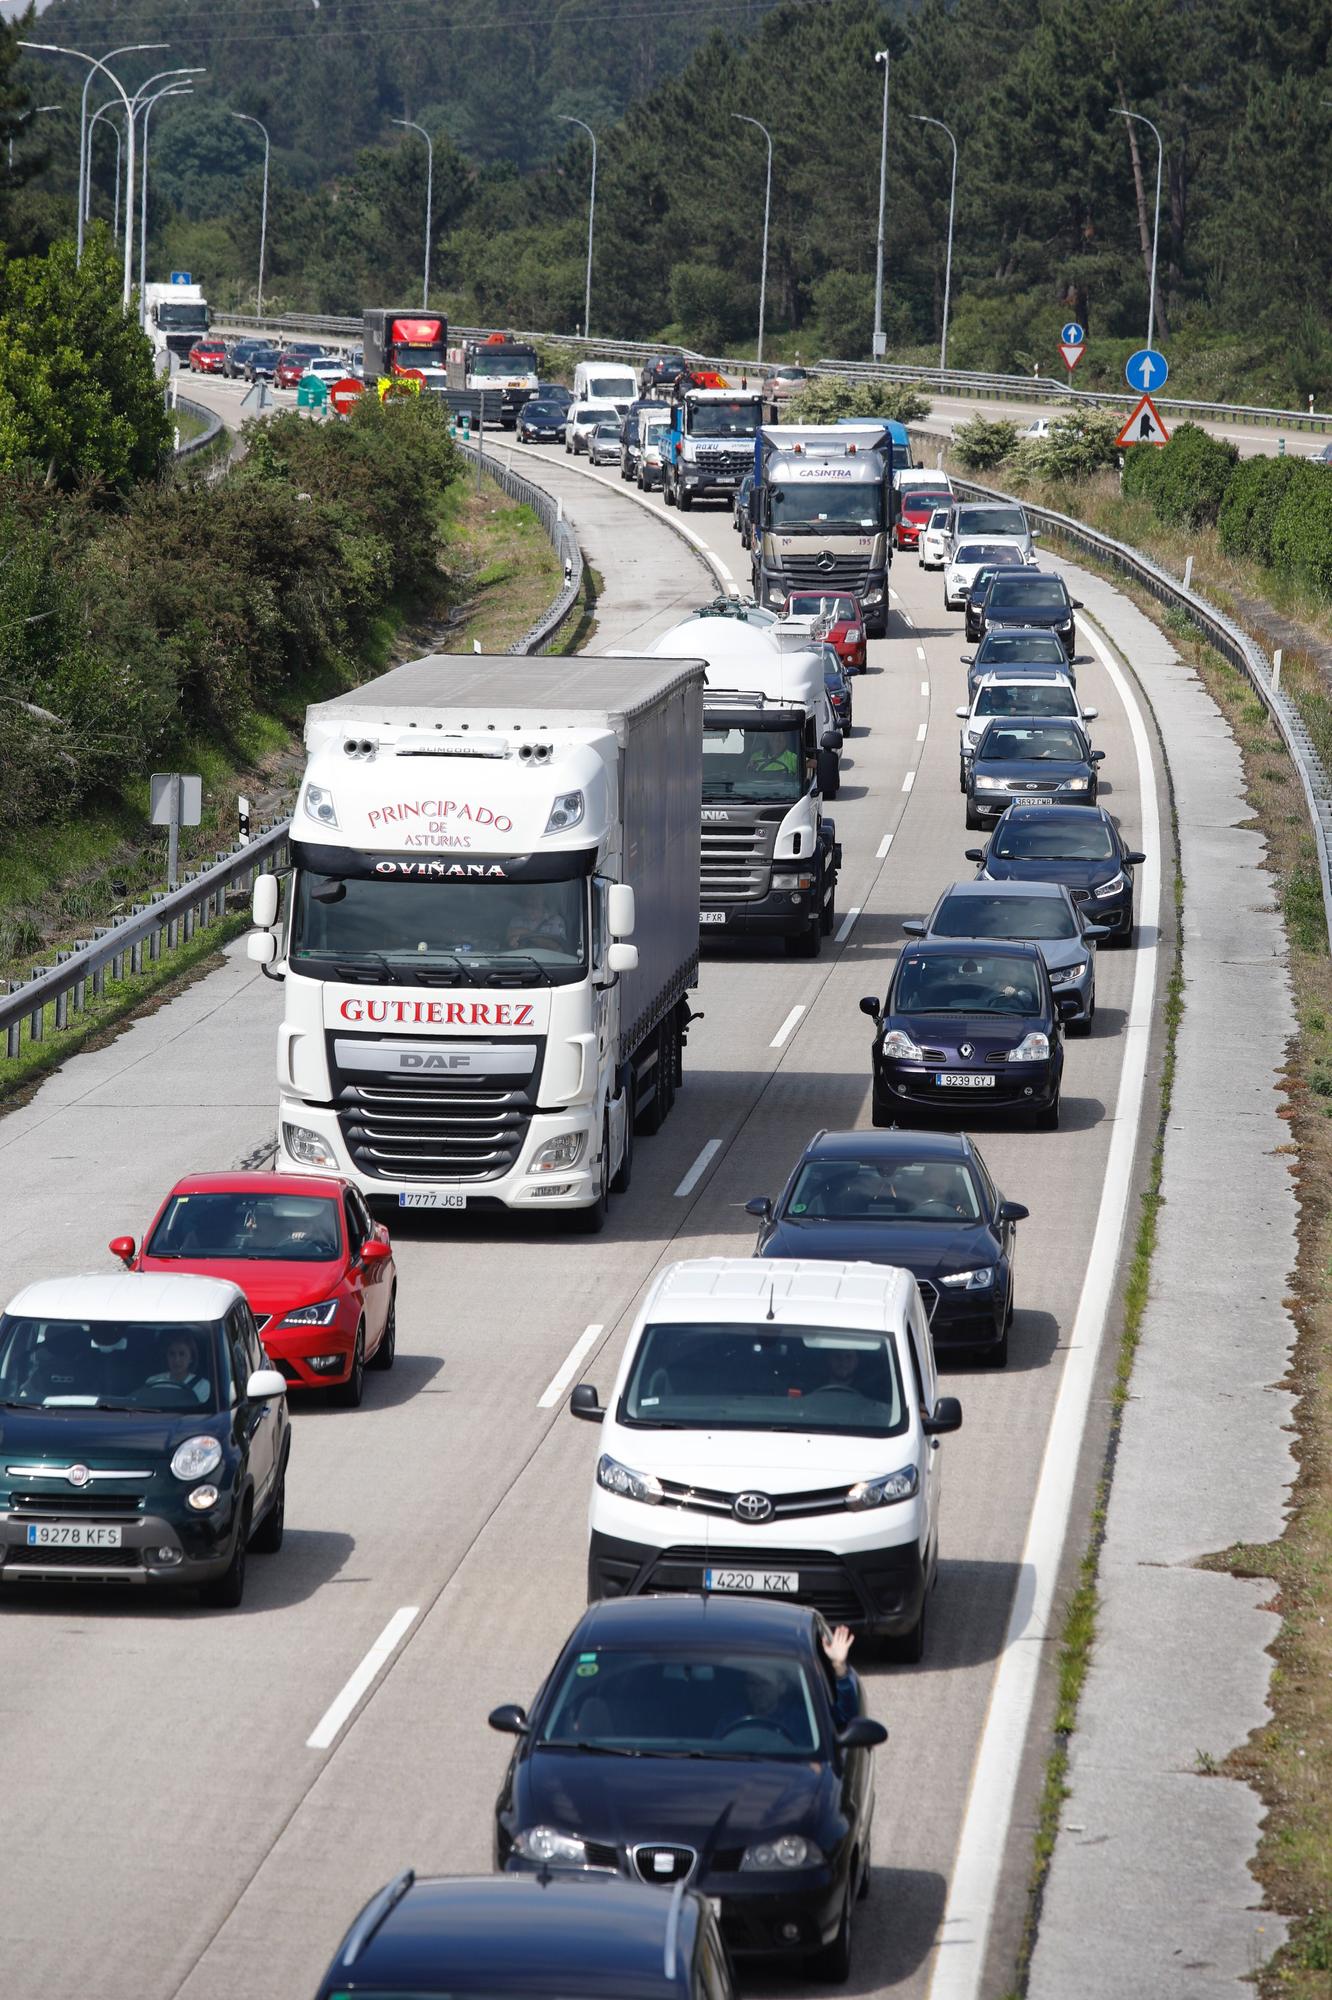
pixel 401 341
pixel 506 369
pixel 491 930
pixel 822 507
pixel 770 855
pixel 710 445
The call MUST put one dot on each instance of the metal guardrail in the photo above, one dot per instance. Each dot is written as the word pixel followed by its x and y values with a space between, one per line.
pixel 1222 634
pixel 212 425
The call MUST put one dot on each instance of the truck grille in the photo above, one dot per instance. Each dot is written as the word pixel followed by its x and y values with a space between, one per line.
pixel 824 570
pixel 442 1130
pixel 724 459
pixel 734 862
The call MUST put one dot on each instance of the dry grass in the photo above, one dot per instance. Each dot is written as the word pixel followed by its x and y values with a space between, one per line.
pixel 511 573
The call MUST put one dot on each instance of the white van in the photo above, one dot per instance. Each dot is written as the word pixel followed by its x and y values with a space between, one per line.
pixel 605 382
pixel 919 475
pixel 772 1431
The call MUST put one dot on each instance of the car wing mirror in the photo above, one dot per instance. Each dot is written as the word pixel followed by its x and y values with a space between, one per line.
pixel 914 926
pixel 1076 603
pixel 947 1417
pixel 1098 756
pixel 586 1403
pixel 973 854
pixel 1134 859
pixel 509 1719
pixel 761 1206
pixel 1090 714
pixel 264 1385
pixel 1013 1211
pixel 122 1247
pixel 1096 932
pixel 862 1732
pixel 962 713
pixel 869 1005
pixel 1068 1005
pixel 967 659
pixel 373 1251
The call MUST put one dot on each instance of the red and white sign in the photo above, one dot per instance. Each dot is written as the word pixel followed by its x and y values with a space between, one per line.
pixel 1072 355
pixel 344 393
pixel 1144 426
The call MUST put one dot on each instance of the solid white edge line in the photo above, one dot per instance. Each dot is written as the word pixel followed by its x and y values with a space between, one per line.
pixel 700 1167
pixel 787 1028
pixel 710 556
pixel 1033 1625
pixel 883 847
pixel 848 924
pixel 908 781
pixel 560 1381
pixel 336 1714
pixel 921 732
pixel 920 652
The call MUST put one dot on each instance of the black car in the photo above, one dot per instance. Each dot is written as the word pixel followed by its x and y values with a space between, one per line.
pixel 261 363
pixel 839 689
pixel 542 1936
pixel 553 392
pixel 540 422
pixel 1041 913
pixel 975 598
pixel 702 1739
pixel 238 354
pixel 1082 849
pixel 1037 600
pixel 967 1024
pixel 1008 651
pixel 1039 759
pixel 661 372
pixel 921 1200
pixel 146 1435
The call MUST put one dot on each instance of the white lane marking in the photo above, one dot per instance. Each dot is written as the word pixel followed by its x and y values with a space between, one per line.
pixel 908 618
pixel 848 924
pixel 787 1029
pixel 559 1382
pixel 1033 1625
pixel 925 689
pixel 331 1721
pixel 920 733
pixel 908 781
pixel 920 652
pixel 883 847
pixel 700 1167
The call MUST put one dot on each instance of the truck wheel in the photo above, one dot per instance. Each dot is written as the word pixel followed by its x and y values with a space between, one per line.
pixel 591 1221
pixel 684 499
pixel 807 943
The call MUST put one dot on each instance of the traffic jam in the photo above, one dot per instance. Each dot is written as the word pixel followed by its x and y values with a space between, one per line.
pixel 510 882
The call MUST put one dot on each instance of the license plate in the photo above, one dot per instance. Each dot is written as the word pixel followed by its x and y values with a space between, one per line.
pixel 1032 799
pixel 963 1079
pixel 712 916
pixel 769 1582
pixel 72 1535
pixel 431 1198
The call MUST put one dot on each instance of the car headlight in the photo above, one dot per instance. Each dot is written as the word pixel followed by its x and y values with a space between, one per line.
pixel 978 1280
pixel 1075 785
pixel 627 1484
pixel 789 1850
pixel 1114 886
pixel 567 811
pixel 197 1457
pixel 973 736
pixel 558 1154
pixel 1035 1047
pixel 318 804
pixel 547 1843
pixel 899 1047
pixel 1061 975
pixel 322 1314
pixel 854 635
pixel 900 1485
pixel 991 784
pixel 307 1146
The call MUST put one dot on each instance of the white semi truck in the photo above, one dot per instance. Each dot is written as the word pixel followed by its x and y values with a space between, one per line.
pixel 491 929
pixel 175 316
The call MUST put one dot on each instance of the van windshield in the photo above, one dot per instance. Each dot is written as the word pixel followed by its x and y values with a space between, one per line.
pixel 735 1376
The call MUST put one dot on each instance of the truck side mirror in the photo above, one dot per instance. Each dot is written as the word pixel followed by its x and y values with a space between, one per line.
pixel 621 958
pixel 620 910
pixel 264 902
pixel 261 947
pixel 585 1403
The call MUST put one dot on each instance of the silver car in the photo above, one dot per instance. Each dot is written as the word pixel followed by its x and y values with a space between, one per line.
pixel 603 446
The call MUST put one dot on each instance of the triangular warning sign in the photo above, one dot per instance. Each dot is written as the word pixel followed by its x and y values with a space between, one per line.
pixel 1072 354
pixel 1144 426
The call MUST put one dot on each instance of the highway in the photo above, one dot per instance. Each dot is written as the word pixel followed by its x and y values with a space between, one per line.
pixel 200 1812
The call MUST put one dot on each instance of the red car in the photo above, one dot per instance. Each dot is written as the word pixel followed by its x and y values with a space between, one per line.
pixel 841 612
pixel 292 364
pixel 207 357
pixel 914 509
pixel 317 1271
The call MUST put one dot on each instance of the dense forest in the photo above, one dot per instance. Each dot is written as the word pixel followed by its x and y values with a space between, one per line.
pixel 1054 189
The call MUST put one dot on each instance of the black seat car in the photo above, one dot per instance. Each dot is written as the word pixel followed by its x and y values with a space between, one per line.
pixel 697 1739
pixel 967 1024
pixel 541 422
pixel 1033 599
pixel 921 1200
pixel 1081 848
pixel 545 1935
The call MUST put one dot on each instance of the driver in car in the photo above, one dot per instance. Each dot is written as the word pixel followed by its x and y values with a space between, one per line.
pixel 774 1700
pixel 180 1370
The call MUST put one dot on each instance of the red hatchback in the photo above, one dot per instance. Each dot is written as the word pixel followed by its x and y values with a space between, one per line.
pixel 914 509
pixel 207 357
pixel 845 621
pixel 317 1271
pixel 292 364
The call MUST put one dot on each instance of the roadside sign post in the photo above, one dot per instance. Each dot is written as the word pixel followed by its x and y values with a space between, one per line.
pixel 175 800
pixel 1147 369
pixel 1072 344
pixel 1144 426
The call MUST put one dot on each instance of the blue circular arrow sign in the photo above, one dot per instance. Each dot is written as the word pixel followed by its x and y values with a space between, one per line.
pixel 1072 335
pixel 1146 370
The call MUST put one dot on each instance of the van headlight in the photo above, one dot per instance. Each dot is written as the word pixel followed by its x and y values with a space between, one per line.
pixel 627 1484
pixel 901 1485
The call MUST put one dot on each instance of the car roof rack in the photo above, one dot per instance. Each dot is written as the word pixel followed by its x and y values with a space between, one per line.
pixel 373 1915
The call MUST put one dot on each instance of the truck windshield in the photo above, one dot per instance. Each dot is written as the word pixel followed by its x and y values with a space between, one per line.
pixel 417 357
pixel 723 420
pixel 813 505
pixel 753 764
pixel 190 316
pixel 440 933
pixel 499 361
pixel 607 388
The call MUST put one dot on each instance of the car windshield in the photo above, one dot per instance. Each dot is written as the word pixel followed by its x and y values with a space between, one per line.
pixel 1002 744
pixel 884 1191
pixel 939 518
pixel 442 933
pixel 923 503
pixel 674 1704
pixel 734 1376
pixel 723 420
pixel 819 503
pixel 992 521
pixel 591 416
pixel 1027 649
pixel 987 552
pixel 1057 698
pixel 280 1228
pixel 1039 918
pixel 965 982
pixel 766 764
pixel 607 428
pixel 1085 839
pixel 542 412
pixel 1028 592
pixel 808 604
pixel 79 1364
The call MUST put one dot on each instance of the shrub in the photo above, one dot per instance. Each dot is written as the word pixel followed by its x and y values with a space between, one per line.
pixel 1077 444
pixel 1253 497
pixel 984 442
pixel 1302 531
pixel 825 398
pixel 1191 476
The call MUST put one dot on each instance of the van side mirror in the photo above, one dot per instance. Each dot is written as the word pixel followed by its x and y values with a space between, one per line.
pixel 585 1403
pixel 869 1005
pixel 947 1417
pixel 961 713
pixel 264 901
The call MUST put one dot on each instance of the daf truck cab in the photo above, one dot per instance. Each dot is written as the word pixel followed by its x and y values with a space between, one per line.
pixel 822 507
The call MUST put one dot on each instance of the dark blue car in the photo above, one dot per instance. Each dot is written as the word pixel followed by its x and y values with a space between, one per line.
pixel 1081 848
pixel 966 1028
pixel 1037 758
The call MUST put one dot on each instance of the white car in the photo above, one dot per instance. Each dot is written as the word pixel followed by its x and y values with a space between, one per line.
pixel 932 548
pixel 1017 694
pixel 967 557
pixel 1039 427
pixel 772 1431
pixel 582 420
pixel 329 368
pixel 650 457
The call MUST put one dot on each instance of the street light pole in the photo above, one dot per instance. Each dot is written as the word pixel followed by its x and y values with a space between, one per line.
pixel 881 343
pixel 31 112
pixel 1156 224
pixel 430 195
pixel 246 119
pixel 168 90
pixel 948 264
pixel 130 48
pixel 591 220
pixel 100 113
pixel 767 209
